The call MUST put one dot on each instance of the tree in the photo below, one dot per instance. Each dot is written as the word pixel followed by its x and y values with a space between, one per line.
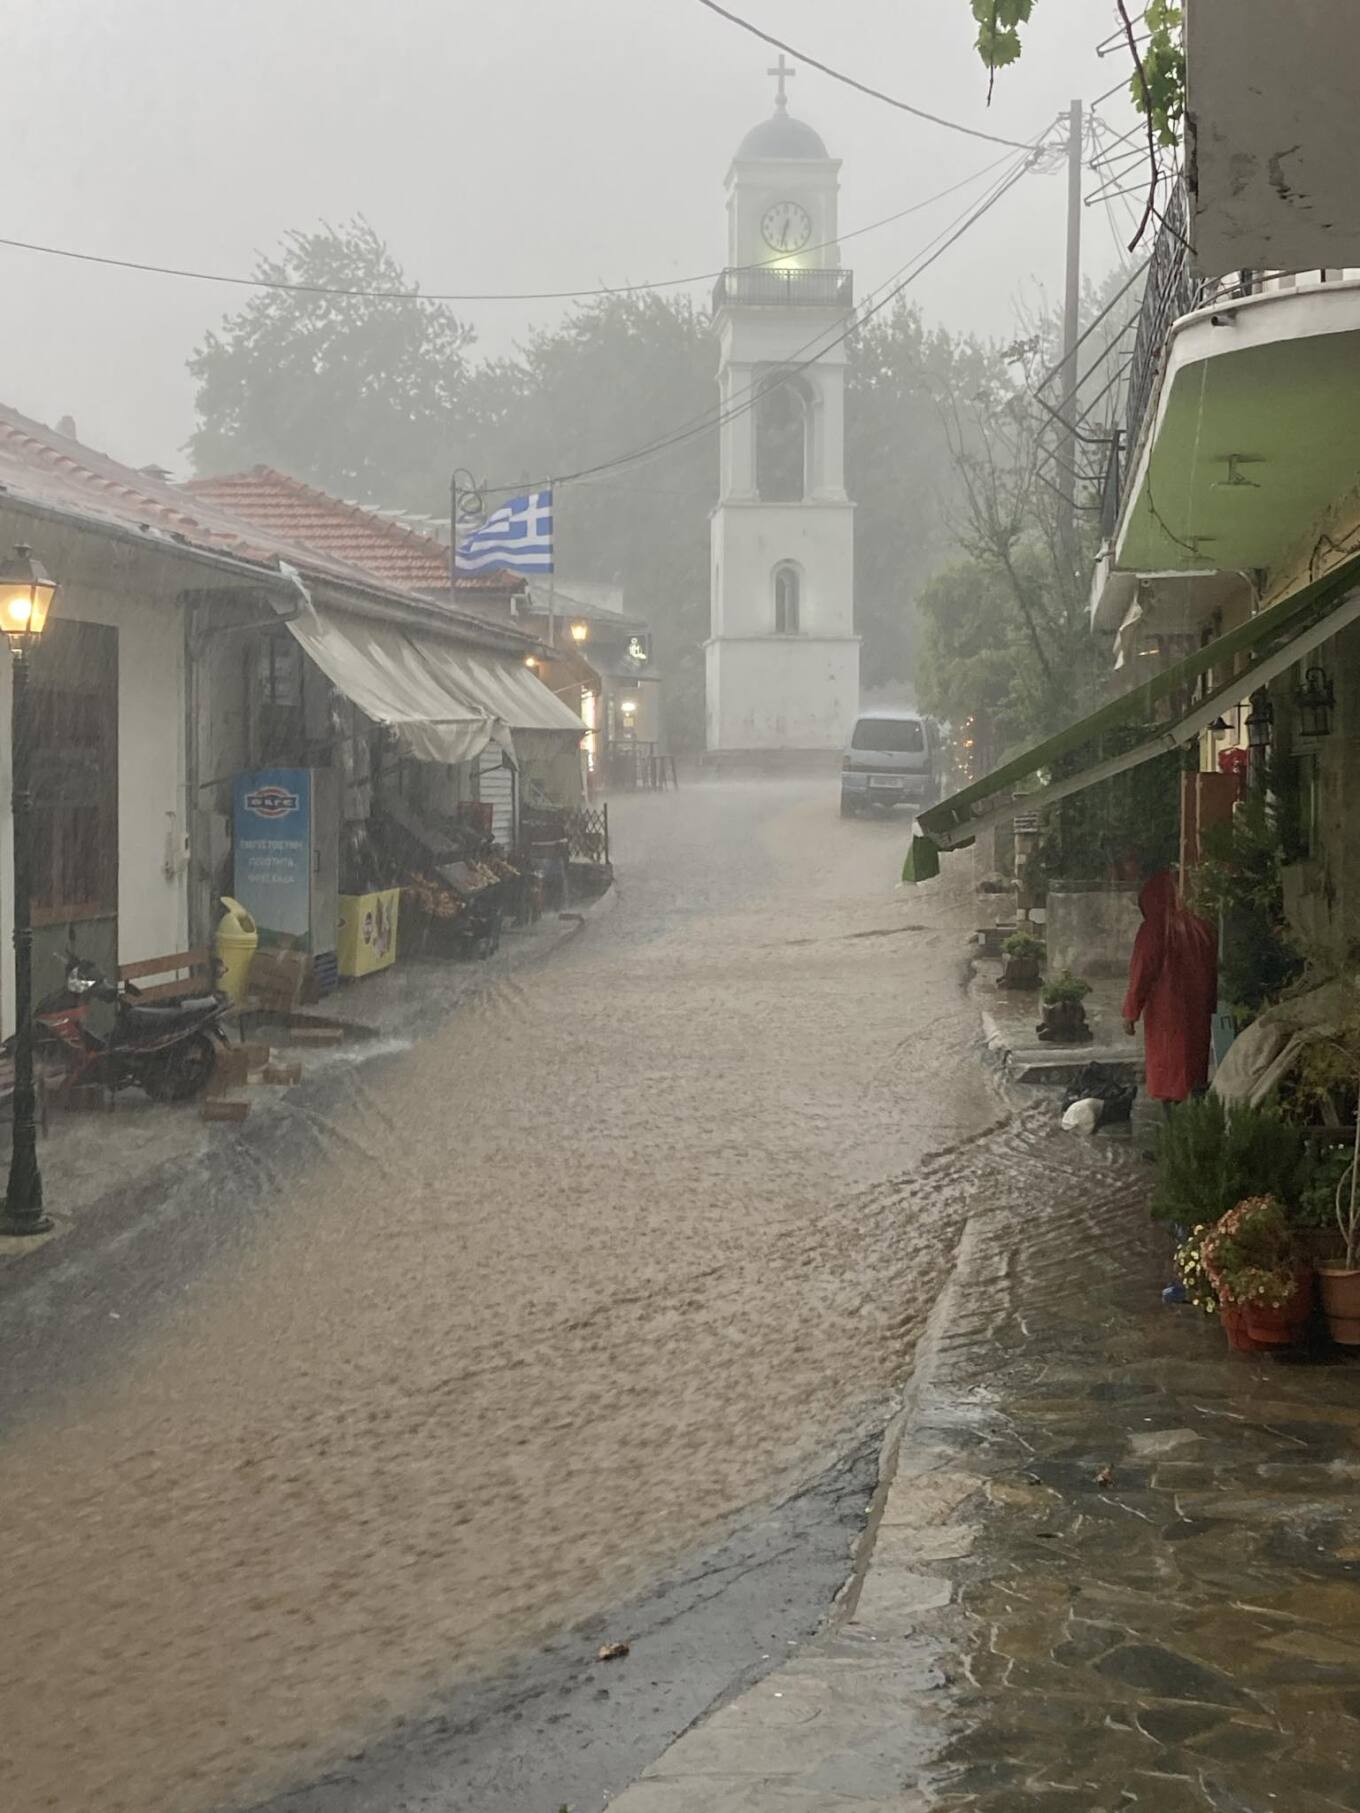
pixel 358 395
pixel 898 471
pixel 620 373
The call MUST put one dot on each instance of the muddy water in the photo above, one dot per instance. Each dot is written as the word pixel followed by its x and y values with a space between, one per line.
pixel 614 1254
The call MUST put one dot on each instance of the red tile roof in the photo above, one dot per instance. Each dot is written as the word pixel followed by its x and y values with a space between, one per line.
pixel 388 548
pixel 59 476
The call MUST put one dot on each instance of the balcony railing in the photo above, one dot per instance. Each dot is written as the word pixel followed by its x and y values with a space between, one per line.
pixel 1172 290
pixel 757 287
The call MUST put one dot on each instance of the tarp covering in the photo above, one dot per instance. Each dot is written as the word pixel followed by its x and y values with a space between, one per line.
pixel 386 672
pixel 1305 618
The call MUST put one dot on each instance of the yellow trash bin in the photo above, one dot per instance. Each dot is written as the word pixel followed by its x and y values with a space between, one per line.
pixel 237 939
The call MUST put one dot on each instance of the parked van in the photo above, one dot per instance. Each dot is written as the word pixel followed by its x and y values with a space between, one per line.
pixel 891 761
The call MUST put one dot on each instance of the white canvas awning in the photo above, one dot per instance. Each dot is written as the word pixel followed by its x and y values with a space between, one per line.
pixel 506 688
pixel 403 680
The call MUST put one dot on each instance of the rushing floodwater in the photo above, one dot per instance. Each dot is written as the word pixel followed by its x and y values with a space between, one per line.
pixel 621 1249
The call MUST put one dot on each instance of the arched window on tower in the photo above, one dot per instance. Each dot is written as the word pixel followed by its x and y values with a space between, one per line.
pixel 783 427
pixel 787 590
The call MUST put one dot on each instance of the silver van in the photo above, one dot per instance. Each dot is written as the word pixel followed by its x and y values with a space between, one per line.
pixel 891 761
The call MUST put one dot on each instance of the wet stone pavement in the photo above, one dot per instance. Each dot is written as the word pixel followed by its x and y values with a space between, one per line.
pixel 1117 1567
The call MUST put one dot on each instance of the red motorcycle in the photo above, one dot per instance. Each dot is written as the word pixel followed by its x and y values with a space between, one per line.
pixel 167 1048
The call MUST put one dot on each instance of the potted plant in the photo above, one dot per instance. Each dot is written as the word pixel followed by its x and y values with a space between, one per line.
pixel 1209 1160
pixel 1263 1283
pixel 1064 1021
pixel 1024 954
pixel 1339 1276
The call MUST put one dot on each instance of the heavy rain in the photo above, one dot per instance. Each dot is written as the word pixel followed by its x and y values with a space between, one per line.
pixel 681 1063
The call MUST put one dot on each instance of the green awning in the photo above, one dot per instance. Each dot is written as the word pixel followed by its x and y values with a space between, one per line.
pixel 1272 641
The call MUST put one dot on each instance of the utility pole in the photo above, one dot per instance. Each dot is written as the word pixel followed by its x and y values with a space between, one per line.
pixel 1067 445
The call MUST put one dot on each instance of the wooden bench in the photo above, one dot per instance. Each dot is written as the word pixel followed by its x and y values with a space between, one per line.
pixel 185 973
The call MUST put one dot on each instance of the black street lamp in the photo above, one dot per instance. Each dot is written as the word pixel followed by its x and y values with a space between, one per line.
pixel 1260 722
pixel 26 594
pixel 1315 700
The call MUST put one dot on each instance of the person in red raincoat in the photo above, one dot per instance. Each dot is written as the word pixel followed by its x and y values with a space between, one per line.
pixel 1173 990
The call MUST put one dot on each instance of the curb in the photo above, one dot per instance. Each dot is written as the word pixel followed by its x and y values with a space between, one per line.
pixel 725 1757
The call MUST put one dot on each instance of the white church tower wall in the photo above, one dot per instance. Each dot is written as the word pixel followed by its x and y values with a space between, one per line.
pixel 782 656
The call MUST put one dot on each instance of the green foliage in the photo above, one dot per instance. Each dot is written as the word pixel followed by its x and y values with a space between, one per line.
pixel 1065 990
pixel 1208 1161
pixel 1241 881
pixel 1318 1202
pixel 998 22
pixel 1132 817
pixel 1023 947
pixel 1164 71
pixel 356 395
pixel 1163 56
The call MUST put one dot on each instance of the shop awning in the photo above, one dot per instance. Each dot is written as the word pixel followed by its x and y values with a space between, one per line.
pixel 505 688
pixel 400 679
pixel 1265 646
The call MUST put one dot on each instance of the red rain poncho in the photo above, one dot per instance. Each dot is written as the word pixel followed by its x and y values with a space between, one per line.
pixel 1173 990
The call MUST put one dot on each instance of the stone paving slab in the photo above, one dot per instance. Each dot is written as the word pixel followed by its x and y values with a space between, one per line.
pixel 1117 1567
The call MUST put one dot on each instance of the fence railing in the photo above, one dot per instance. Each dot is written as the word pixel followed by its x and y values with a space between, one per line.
pixel 756 287
pixel 630 767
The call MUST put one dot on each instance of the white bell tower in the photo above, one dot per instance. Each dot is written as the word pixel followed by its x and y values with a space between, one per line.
pixel 782 656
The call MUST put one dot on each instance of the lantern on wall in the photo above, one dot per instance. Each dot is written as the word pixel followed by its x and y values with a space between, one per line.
pixel 1260 722
pixel 1315 701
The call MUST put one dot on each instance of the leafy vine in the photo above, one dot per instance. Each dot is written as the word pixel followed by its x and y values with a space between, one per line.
pixel 1157 86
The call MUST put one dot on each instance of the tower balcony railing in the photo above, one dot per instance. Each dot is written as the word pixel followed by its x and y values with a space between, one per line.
pixel 766 286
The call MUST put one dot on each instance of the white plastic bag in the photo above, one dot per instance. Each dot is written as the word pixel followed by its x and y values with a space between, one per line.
pixel 1084 1116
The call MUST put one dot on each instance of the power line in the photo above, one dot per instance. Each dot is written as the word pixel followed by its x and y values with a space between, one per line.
pixel 875 94
pixel 359 291
pixel 711 421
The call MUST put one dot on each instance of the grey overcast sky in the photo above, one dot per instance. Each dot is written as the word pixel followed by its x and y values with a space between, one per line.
pixel 531 144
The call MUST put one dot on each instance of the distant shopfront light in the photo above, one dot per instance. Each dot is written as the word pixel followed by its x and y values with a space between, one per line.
pixel 1315 701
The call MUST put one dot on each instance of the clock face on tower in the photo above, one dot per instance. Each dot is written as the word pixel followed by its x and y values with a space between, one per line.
pixel 786 227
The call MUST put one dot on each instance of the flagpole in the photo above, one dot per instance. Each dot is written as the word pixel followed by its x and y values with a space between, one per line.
pixel 552 567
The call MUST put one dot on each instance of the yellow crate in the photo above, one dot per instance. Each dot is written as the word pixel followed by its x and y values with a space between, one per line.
pixel 367 933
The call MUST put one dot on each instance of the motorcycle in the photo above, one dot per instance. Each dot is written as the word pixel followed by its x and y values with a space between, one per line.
pixel 167 1048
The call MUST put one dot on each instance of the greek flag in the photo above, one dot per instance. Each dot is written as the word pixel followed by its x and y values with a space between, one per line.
pixel 517 538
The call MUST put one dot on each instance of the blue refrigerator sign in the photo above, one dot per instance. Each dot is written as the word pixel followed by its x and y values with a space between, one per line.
pixel 273 839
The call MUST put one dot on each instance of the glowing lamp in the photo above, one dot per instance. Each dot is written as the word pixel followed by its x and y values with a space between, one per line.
pixel 26 593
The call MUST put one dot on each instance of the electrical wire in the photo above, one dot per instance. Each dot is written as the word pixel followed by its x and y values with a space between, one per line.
pixel 875 94
pixel 799 364
pixel 621 289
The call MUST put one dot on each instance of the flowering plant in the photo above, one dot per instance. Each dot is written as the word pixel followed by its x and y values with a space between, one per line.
pixel 1200 1289
pixel 1251 1256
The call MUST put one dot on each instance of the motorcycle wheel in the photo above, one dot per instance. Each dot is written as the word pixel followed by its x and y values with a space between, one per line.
pixel 183 1072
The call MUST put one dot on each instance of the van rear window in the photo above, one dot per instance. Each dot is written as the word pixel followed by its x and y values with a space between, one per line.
pixel 903 736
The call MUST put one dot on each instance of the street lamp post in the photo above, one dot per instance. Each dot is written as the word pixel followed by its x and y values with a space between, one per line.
pixel 26 594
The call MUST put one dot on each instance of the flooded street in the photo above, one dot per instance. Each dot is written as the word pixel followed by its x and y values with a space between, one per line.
pixel 626 1246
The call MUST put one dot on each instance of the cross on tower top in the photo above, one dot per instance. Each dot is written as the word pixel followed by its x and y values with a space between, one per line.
pixel 783 70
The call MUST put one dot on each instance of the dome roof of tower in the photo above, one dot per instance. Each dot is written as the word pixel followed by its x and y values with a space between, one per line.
pixel 782 136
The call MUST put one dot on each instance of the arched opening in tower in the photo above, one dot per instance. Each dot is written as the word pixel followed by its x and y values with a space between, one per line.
pixel 783 431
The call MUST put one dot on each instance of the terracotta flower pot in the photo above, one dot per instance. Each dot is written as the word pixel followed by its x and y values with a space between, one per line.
pixel 1234 1322
pixel 1341 1303
pixel 1284 1326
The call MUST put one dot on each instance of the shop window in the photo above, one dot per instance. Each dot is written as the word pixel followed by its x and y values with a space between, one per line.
pixel 75 773
pixel 277 700
pixel 787 590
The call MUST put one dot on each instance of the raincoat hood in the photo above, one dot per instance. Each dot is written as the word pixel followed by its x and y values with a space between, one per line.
pixel 1159 898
